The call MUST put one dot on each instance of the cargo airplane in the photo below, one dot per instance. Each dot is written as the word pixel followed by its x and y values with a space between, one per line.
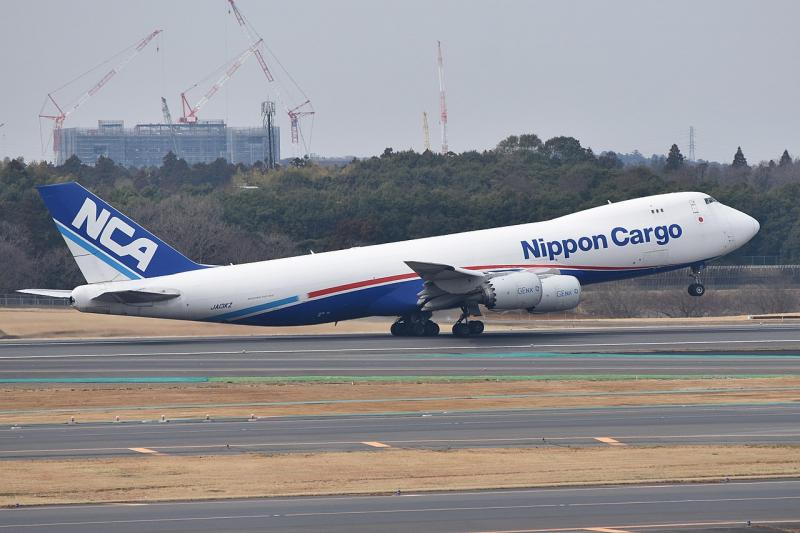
pixel 539 267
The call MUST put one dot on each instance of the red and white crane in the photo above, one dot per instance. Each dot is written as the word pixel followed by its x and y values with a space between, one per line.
pixel 189 110
pixel 442 100
pixel 295 112
pixel 62 112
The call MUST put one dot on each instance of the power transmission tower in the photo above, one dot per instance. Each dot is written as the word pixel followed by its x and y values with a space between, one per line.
pixel 442 99
pixel 268 119
pixel 691 143
pixel 426 131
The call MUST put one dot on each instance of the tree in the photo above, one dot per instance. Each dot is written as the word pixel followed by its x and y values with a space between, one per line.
pixel 739 161
pixel 786 159
pixel 674 159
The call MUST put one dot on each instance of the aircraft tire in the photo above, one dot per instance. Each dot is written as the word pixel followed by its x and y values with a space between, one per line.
pixel 398 329
pixel 475 327
pixel 416 329
pixel 697 289
pixel 431 329
pixel 461 330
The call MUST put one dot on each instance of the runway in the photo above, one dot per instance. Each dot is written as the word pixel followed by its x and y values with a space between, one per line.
pixel 671 425
pixel 718 350
pixel 655 508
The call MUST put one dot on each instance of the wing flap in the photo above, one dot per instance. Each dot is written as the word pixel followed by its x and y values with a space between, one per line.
pixel 448 278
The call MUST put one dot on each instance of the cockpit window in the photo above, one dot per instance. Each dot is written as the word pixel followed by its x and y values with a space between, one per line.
pixel 709 200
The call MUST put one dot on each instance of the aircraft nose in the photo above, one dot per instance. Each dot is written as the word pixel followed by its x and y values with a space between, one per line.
pixel 745 226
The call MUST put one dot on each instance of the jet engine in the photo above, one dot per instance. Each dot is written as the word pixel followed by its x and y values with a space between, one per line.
pixel 520 290
pixel 559 293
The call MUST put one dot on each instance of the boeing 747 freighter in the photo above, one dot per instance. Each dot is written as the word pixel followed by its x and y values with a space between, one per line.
pixel 539 267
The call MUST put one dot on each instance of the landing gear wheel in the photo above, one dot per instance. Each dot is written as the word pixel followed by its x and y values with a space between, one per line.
pixel 398 329
pixel 460 329
pixel 431 329
pixel 475 327
pixel 416 329
pixel 697 289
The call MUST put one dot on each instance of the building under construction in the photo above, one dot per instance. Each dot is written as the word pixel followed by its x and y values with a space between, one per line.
pixel 145 145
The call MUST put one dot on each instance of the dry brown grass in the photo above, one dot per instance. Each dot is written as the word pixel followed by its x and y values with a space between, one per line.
pixel 56 403
pixel 149 478
pixel 69 323
pixel 30 323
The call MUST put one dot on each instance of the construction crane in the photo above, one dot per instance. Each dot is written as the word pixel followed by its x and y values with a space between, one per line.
pixel 442 100
pixel 189 110
pixel 252 37
pixel 294 118
pixel 62 112
pixel 295 113
pixel 168 122
pixel 426 131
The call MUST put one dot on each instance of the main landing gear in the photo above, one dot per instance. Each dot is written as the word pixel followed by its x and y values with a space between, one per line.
pixel 466 327
pixel 421 325
pixel 697 288
pixel 415 326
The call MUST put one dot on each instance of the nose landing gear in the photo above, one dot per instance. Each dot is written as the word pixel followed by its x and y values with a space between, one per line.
pixel 697 288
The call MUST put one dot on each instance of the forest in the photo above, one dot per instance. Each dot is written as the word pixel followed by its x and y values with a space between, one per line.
pixel 220 213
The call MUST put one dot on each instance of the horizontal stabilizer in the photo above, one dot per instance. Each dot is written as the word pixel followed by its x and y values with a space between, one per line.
pixel 51 293
pixel 137 297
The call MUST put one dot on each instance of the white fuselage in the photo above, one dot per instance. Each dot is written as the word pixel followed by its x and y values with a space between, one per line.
pixel 613 241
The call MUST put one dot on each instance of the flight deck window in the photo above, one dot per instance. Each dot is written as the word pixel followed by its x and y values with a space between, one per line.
pixel 710 200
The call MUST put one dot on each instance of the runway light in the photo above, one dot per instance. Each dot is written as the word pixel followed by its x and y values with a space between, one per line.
pixel 208 417
pixel 163 419
pixel 253 417
pixel 116 419
pixel 72 420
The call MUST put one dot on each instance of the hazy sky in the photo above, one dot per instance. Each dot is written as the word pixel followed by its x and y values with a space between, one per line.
pixel 619 75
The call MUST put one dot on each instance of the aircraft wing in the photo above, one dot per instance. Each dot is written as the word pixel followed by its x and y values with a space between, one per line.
pixel 447 286
pixel 450 279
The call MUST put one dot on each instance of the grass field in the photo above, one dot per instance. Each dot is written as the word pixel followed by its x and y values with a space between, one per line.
pixel 28 403
pixel 151 478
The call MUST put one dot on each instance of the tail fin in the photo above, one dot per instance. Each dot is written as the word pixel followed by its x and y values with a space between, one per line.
pixel 107 245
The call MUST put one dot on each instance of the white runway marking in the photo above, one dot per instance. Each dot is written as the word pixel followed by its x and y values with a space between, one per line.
pixel 400 349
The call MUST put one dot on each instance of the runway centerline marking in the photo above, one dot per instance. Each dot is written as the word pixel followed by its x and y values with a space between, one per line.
pixel 609 441
pixel 607 530
pixel 145 450
pixel 376 444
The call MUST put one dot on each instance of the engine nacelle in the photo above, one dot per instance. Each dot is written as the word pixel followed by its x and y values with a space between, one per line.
pixel 559 293
pixel 520 290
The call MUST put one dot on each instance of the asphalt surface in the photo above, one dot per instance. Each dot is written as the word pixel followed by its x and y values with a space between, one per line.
pixel 703 507
pixel 758 349
pixel 700 424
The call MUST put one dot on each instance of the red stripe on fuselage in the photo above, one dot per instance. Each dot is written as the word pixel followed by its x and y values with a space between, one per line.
pixel 399 277
pixel 359 284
